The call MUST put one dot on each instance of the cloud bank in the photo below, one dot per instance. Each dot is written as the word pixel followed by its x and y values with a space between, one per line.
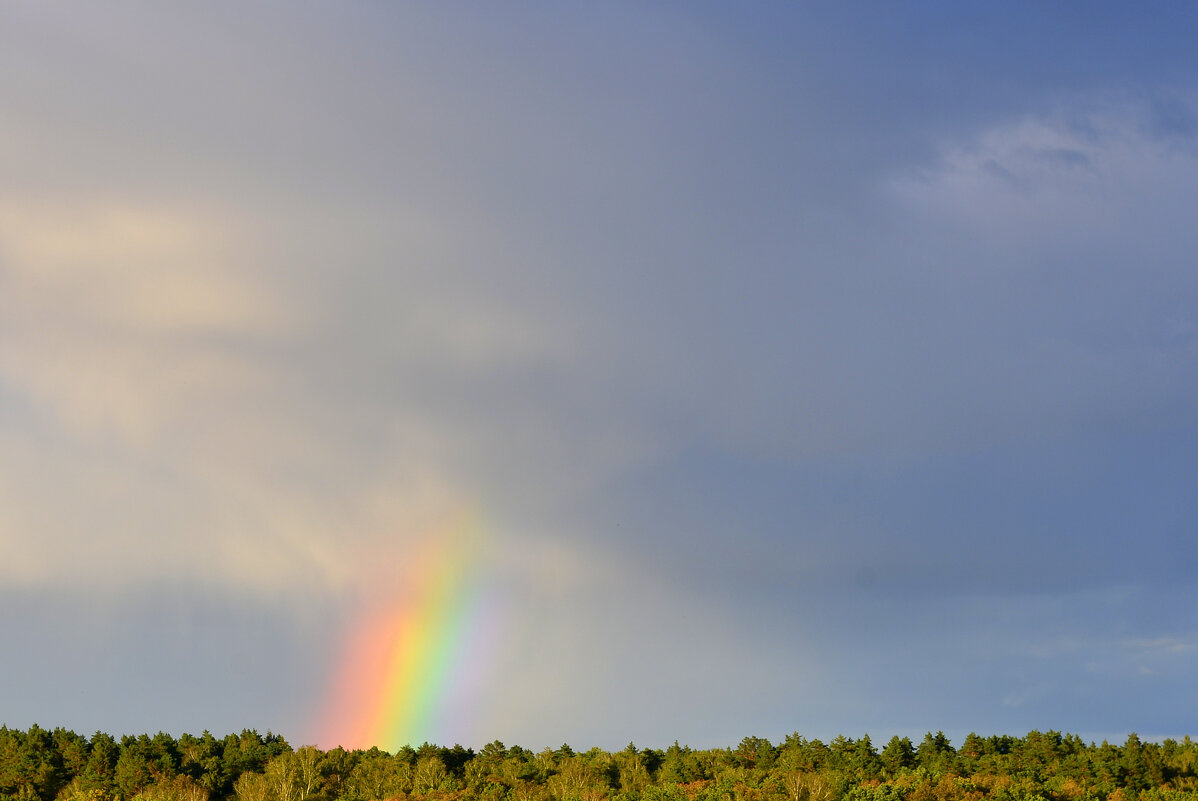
pixel 803 378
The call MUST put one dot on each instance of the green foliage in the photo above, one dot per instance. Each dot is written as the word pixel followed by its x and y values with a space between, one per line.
pixel 897 756
pixel 40 765
pixel 936 753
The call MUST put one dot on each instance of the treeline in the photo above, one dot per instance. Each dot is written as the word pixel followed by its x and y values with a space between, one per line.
pixel 60 765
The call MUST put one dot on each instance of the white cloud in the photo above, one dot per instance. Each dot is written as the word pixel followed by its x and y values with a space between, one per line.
pixel 1095 172
pixel 119 318
pixel 162 437
pixel 212 394
pixel 1164 646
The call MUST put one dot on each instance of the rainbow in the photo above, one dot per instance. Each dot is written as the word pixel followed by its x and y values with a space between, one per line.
pixel 413 654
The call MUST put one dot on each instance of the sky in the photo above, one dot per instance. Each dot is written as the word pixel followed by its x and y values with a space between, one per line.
pixel 798 367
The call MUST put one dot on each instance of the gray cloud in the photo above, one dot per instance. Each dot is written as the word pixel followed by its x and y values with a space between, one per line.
pixel 788 366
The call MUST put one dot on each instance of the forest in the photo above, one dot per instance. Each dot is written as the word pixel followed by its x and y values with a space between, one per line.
pixel 59 765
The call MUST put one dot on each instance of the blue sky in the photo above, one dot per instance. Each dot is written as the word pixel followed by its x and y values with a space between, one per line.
pixel 810 367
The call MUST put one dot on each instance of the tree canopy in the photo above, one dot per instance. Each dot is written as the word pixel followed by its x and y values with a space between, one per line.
pixel 60 765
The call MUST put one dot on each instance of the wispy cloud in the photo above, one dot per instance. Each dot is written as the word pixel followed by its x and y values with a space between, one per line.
pixel 1162 646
